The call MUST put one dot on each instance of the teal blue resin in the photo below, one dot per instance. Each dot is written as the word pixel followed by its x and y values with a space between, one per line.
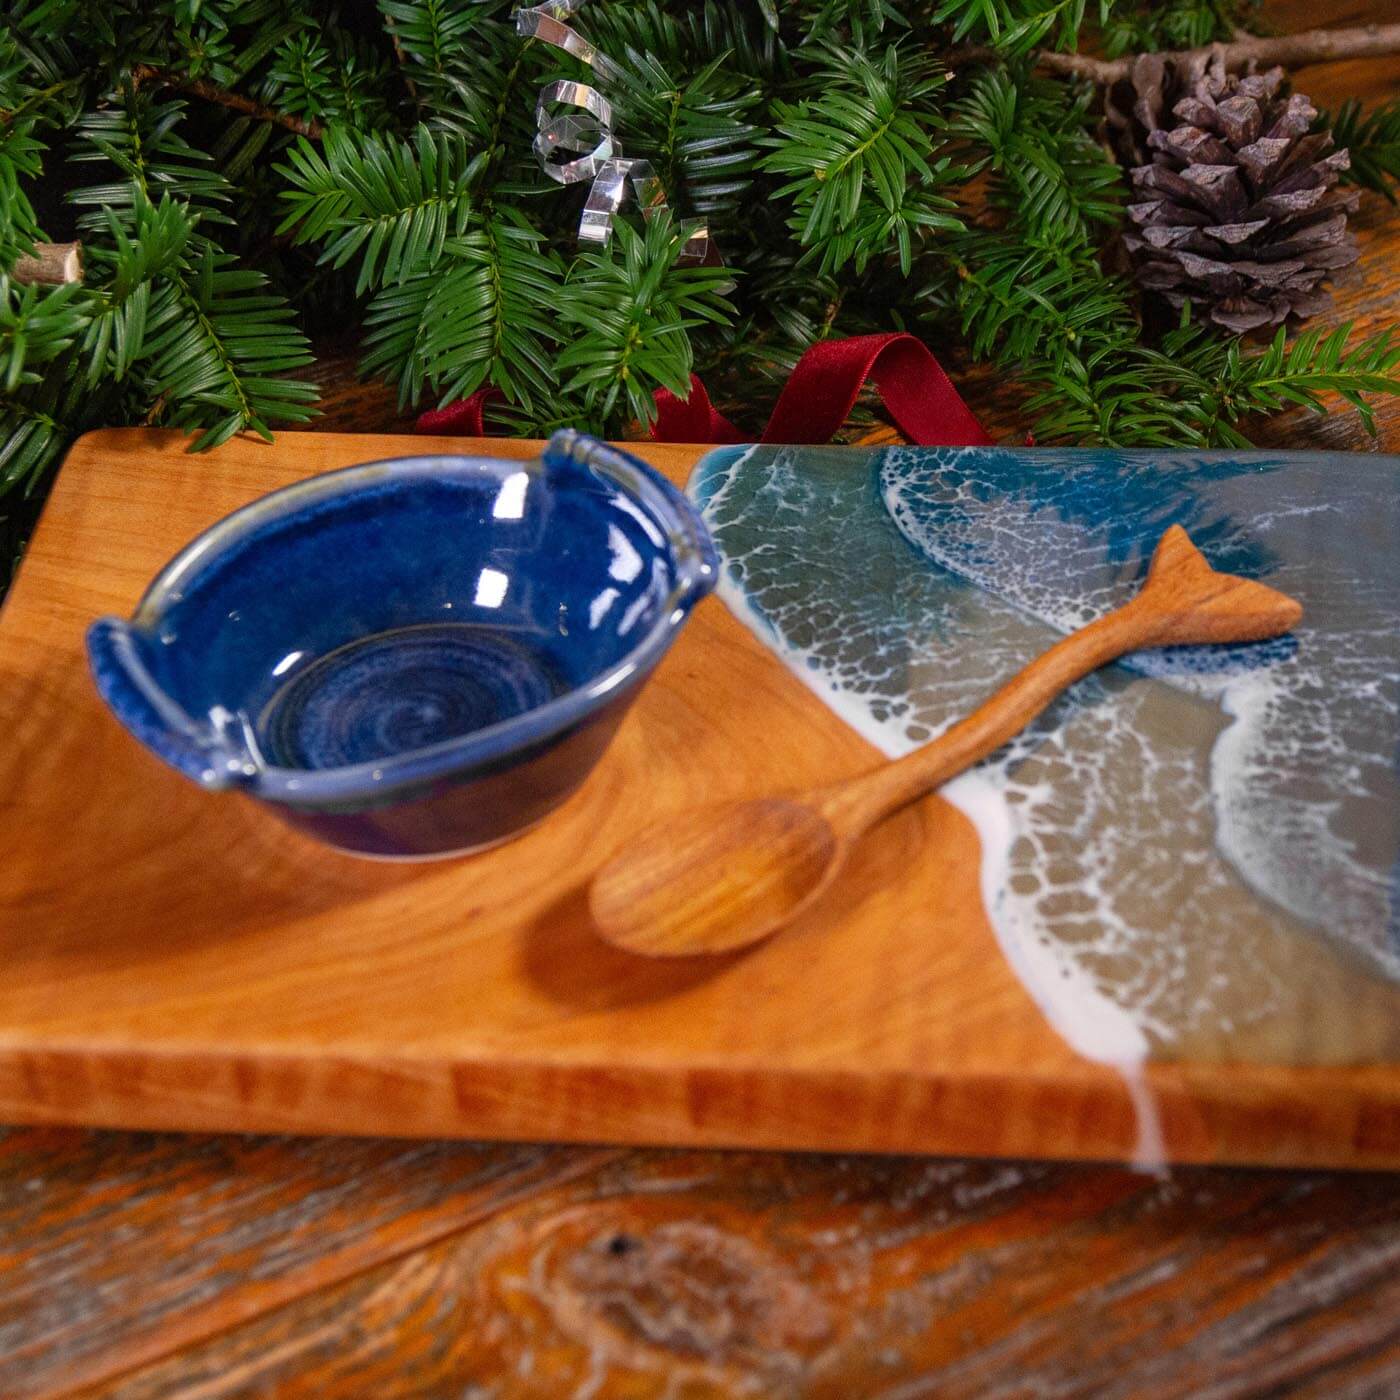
pixel 1189 853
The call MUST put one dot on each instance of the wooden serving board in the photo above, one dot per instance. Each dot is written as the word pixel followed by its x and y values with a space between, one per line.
pixel 174 959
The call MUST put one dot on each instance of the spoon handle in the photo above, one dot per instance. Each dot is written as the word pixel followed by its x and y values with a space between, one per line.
pixel 1183 600
pixel 859 803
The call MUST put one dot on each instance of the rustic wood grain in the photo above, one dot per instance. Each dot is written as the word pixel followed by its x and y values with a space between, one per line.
pixel 997 1280
pixel 712 1276
pixel 118 1250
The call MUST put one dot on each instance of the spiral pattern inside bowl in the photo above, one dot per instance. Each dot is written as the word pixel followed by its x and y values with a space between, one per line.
pixel 402 690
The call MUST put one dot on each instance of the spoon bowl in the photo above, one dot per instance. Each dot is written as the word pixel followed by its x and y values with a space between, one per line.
pixel 720 877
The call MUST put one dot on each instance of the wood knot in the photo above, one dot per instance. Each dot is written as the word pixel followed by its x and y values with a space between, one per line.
pixel 678 1291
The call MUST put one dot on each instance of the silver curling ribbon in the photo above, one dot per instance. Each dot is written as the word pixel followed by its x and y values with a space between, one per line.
pixel 546 23
pixel 579 144
pixel 586 137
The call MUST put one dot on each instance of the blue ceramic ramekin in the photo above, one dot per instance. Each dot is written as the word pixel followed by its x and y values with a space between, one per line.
pixel 416 657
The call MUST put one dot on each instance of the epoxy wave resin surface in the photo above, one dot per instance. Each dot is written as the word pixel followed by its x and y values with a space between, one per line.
pixel 1194 855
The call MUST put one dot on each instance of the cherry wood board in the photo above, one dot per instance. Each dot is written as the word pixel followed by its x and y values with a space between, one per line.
pixel 180 960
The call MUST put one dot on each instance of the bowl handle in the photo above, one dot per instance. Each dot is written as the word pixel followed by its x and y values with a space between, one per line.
pixel 196 750
pixel 697 560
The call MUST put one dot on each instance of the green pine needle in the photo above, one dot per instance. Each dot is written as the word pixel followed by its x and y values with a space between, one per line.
pixel 863 177
pixel 1373 140
pixel 487 314
pixel 140 143
pixel 218 346
pixel 852 183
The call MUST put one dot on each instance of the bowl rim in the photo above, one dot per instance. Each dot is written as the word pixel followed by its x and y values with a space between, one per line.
pixel 683 533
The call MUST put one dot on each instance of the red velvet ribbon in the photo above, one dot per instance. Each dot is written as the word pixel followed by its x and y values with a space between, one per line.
pixel 461 419
pixel 814 403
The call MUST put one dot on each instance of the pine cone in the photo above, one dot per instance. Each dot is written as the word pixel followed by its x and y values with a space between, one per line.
pixel 1236 208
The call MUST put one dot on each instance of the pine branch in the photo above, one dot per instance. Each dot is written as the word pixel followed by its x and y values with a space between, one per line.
pixel 1013 26
pixel 1182 24
pixel 140 137
pixel 459 60
pixel 1198 390
pixel 20 157
pixel 693 130
pixel 1051 175
pixel 391 204
pixel 502 326
pixel 860 157
pixel 338 81
pixel 37 325
pixel 215 344
pixel 143 73
pixel 35 102
pixel 688 39
pixel 1372 139
pixel 128 274
pixel 831 19
pixel 1289 50
pixel 396 330
pixel 1232 386
pixel 487 313
pixel 631 308
pixel 32 432
pixel 1023 299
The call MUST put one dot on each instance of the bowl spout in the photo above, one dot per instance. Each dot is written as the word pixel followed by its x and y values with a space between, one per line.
pixel 693 552
pixel 213 756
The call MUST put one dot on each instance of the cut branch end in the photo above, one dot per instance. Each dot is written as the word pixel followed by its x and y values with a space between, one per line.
pixel 52 264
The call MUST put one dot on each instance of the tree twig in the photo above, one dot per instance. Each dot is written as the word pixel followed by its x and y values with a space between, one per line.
pixel 235 101
pixel 1292 50
pixel 37 99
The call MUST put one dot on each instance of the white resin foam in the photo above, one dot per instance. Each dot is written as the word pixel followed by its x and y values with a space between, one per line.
pixel 1160 849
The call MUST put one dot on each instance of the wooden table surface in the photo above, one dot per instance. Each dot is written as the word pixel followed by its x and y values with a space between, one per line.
pixel 145 1265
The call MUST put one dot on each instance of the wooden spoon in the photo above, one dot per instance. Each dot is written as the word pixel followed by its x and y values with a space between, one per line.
pixel 719 878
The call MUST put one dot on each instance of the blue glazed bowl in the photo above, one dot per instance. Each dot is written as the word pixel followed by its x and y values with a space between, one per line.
pixel 412 658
